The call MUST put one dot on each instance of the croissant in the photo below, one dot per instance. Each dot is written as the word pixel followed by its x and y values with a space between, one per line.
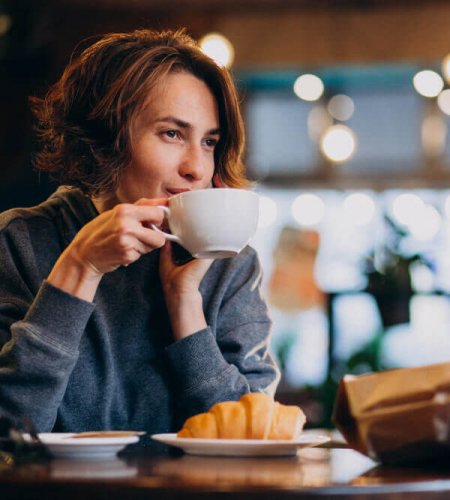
pixel 254 416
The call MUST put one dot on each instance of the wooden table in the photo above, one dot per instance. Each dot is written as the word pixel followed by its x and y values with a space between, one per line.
pixel 159 472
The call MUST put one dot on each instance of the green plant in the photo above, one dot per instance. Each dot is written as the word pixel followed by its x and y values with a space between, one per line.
pixel 388 272
pixel 388 267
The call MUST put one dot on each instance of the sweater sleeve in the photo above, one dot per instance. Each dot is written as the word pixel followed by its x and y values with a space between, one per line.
pixel 40 329
pixel 230 357
pixel 38 359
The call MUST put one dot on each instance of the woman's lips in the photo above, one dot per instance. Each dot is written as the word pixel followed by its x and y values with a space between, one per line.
pixel 174 191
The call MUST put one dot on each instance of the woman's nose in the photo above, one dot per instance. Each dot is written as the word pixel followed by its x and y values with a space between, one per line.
pixel 193 164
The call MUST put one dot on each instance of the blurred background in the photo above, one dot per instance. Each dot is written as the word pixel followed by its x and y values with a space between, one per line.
pixel 347 110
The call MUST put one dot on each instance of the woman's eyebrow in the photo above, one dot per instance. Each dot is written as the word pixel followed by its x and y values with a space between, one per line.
pixel 185 125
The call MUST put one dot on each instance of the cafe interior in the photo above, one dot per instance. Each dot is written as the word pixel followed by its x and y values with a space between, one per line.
pixel 347 114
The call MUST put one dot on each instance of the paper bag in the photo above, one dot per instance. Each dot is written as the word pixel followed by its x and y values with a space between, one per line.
pixel 397 416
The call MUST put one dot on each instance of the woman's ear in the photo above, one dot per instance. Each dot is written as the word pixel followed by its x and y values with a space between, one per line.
pixel 217 182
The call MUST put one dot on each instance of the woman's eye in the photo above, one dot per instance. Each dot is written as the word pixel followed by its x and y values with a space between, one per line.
pixel 211 143
pixel 172 134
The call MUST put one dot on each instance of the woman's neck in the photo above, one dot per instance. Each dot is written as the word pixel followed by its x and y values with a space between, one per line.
pixel 104 202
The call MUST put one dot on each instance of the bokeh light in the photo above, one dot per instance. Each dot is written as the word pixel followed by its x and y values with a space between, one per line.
pixel 427 224
pixel 434 134
pixel 268 211
pixel 318 121
pixel 422 220
pixel 447 206
pixel 219 48
pixel 446 68
pixel 406 207
pixel 308 209
pixel 428 83
pixel 359 208
pixel 5 24
pixel 338 143
pixel 443 101
pixel 341 107
pixel 308 87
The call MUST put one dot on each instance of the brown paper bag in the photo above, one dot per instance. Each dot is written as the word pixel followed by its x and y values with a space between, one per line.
pixel 397 416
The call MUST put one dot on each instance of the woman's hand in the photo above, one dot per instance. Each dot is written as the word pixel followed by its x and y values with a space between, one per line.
pixel 181 291
pixel 115 238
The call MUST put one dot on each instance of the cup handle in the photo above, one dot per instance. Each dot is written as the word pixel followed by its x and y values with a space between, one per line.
pixel 171 237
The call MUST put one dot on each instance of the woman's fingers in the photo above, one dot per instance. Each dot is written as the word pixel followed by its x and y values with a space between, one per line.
pixel 151 202
pixel 119 236
pixel 181 278
pixel 143 213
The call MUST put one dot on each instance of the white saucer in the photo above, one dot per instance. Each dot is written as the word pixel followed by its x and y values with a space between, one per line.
pixel 241 447
pixel 62 445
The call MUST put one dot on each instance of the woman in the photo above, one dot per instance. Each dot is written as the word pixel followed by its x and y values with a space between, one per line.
pixel 99 328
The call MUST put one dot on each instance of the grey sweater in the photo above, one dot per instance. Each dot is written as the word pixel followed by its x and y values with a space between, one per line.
pixel 71 365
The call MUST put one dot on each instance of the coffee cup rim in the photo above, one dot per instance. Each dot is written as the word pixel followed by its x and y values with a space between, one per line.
pixel 214 189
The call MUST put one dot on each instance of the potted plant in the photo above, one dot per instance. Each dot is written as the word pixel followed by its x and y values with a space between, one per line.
pixel 388 272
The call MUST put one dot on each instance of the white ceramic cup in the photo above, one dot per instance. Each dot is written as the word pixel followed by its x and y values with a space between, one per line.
pixel 212 223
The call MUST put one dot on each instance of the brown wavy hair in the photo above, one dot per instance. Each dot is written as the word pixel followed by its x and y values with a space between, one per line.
pixel 84 121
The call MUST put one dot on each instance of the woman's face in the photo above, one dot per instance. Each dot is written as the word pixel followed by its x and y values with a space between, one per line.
pixel 173 138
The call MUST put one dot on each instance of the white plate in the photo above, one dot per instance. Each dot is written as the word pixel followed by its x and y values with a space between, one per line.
pixel 241 447
pixel 61 444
